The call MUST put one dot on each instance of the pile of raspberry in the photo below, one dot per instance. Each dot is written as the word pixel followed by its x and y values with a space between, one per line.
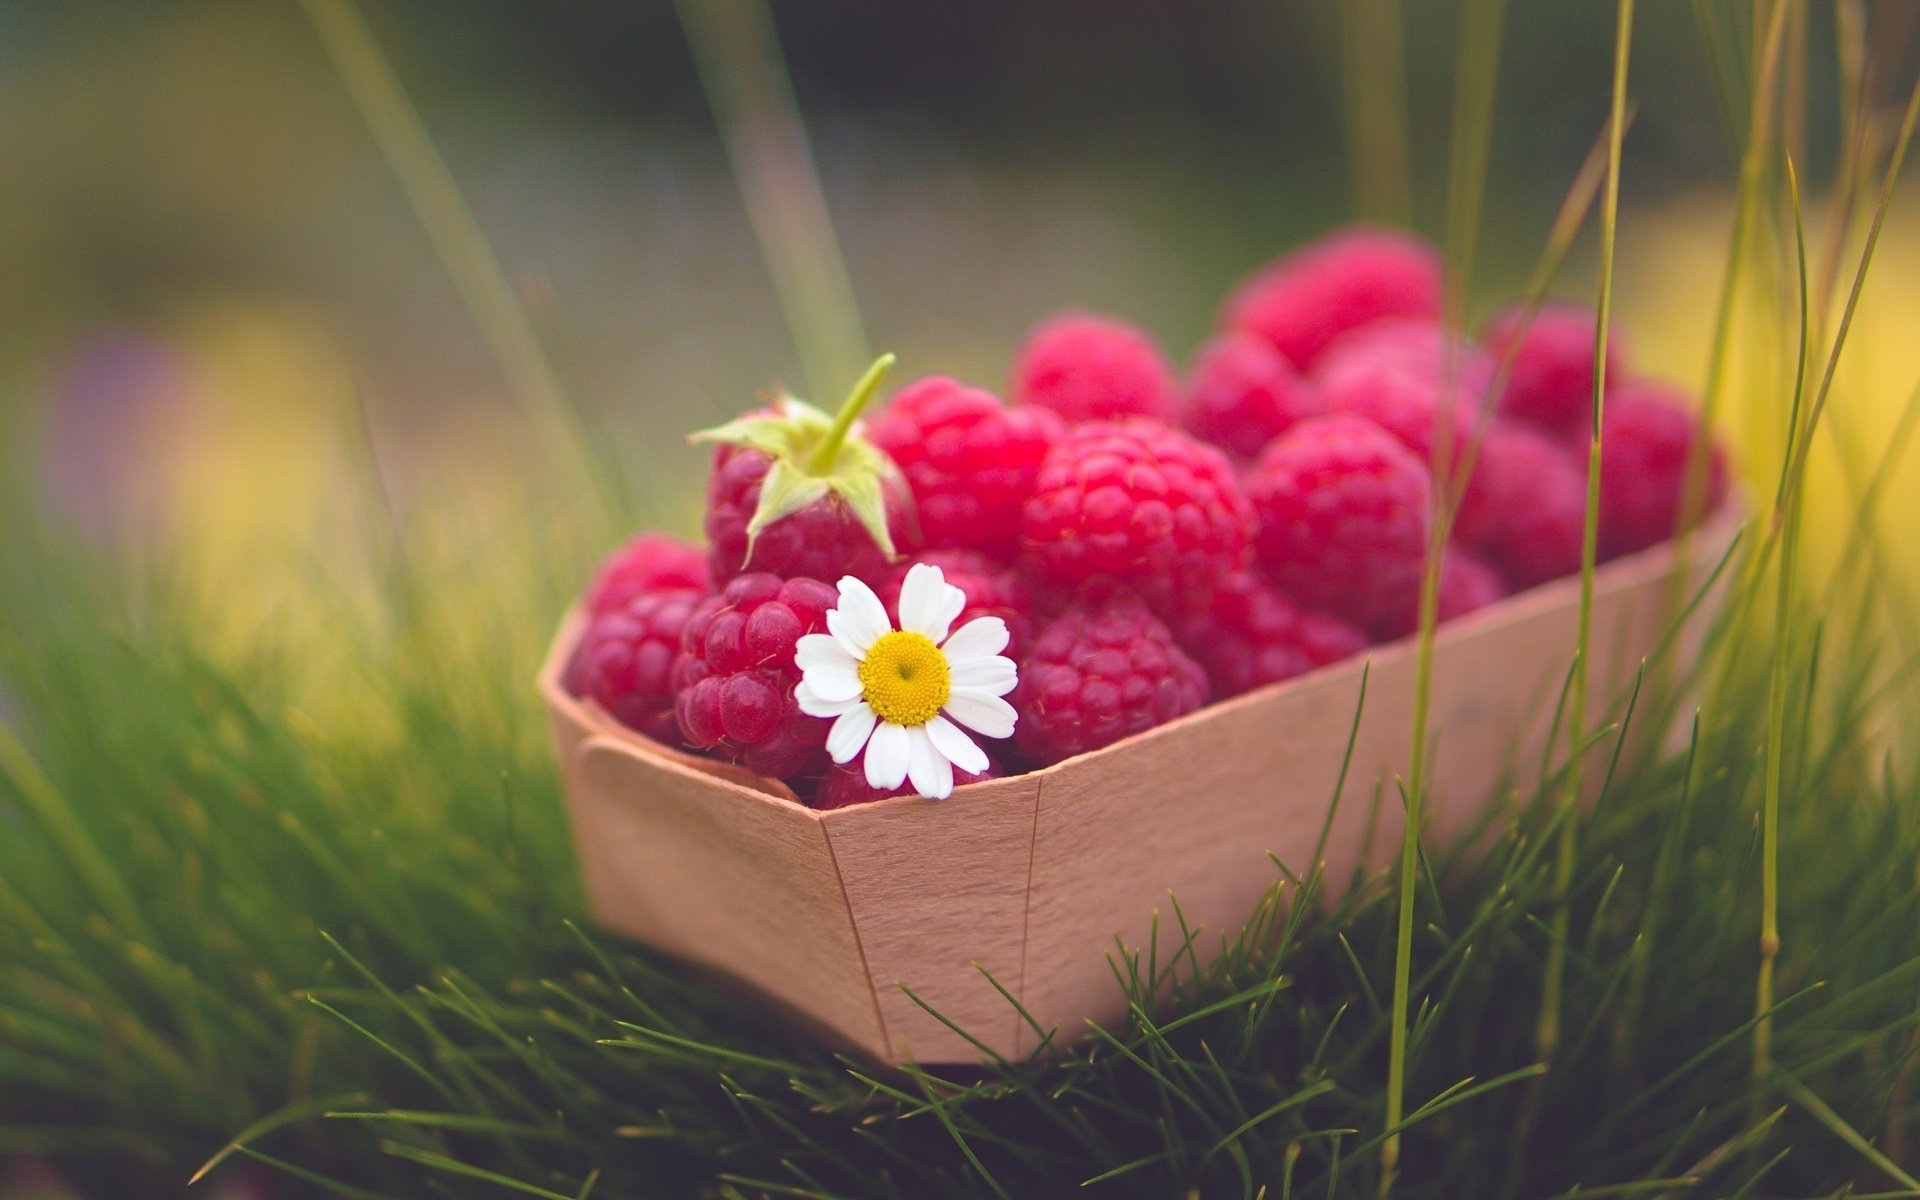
pixel 1154 539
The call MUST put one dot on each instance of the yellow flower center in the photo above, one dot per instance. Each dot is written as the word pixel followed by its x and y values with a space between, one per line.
pixel 905 678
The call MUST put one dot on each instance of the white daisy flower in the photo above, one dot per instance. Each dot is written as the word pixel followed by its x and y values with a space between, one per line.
pixel 903 694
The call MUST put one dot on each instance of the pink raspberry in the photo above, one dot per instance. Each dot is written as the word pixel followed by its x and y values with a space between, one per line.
pixel 993 589
pixel 735 675
pixel 1467 582
pixel 845 786
pixel 1550 381
pixel 1349 278
pixel 1242 393
pixel 1526 507
pixel 1416 346
pixel 1254 634
pixel 824 540
pixel 970 460
pixel 651 562
pixel 1134 504
pixel 1646 436
pixel 1093 368
pixel 624 662
pixel 1395 374
pixel 1344 513
pixel 1098 674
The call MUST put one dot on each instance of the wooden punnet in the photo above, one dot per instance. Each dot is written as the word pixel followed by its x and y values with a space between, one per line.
pixel 833 916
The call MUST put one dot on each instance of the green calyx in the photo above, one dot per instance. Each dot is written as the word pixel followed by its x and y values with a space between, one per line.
pixel 815 456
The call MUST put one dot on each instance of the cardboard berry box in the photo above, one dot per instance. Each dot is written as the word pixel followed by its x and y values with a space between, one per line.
pixel 835 916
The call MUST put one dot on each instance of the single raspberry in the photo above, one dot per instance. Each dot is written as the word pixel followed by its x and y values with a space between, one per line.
pixel 1093 368
pixel 993 589
pixel 1098 674
pixel 1134 504
pixel 1526 506
pixel 1349 278
pixel 1550 379
pixel 800 494
pixel 735 675
pixel 845 786
pixel 624 662
pixel 1646 438
pixel 1344 513
pixel 1242 393
pixel 651 562
pixel 1417 346
pixel 970 460
pixel 1254 634
pixel 1467 582
pixel 1397 374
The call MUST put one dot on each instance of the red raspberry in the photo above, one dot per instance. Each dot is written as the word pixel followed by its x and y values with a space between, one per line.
pixel 1467 582
pixel 1416 346
pixel 1138 505
pixel 1242 393
pixel 1526 507
pixel 970 460
pixel 1344 513
pixel 1093 368
pixel 1395 374
pixel 1550 380
pixel 1254 634
pixel 651 562
pixel 845 786
pixel 735 675
pixel 1098 674
pixel 824 540
pixel 1646 436
pixel 993 589
pixel 1349 278
pixel 624 661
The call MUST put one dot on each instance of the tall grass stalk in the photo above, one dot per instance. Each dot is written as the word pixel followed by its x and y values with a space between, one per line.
pixel 1373 78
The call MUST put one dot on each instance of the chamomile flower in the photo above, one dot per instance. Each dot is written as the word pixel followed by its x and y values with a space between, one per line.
pixel 903 695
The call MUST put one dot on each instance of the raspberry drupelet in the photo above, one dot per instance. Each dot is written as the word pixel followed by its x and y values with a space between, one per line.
pixel 1254 634
pixel 1242 393
pixel 1099 673
pixel 1344 512
pixel 969 460
pixel 651 562
pixel 1135 505
pixel 624 662
pixel 1087 367
pixel 735 675
pixel 1352 277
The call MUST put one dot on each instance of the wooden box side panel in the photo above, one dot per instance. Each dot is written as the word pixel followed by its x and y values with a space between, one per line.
pixel 724 877
pixel 938 891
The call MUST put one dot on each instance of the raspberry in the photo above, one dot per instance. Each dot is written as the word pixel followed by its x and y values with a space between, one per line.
pixel 1395 374
pixel 1349 278
pixel 1416 346
pixel 823 540
pixel 1135 504
pixel 1526 507
pixel 650 562
pixel 1242 393
pixel 845 786
pixel 970 460
pixel 1550 381
pixel 993 589
pixel 624 661
pixel 1098 674
pixel 735 675
pixel 1646 437
pixel 1467 582
pixel 1254 634
pixel 1344 513
pixel 1092 368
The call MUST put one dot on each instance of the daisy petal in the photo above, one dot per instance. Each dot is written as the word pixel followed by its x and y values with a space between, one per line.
pixel 957 747
pixel 887 756
pixel 978 638
pixel 825 664
pixel 982 712
pixel 928 603
pixel 850 732
pixel 813 704
pixel 995 676
pixel 929 769
pixel 859 620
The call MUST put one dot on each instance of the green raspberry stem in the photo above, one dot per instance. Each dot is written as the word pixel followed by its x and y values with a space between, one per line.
pixel 821 461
